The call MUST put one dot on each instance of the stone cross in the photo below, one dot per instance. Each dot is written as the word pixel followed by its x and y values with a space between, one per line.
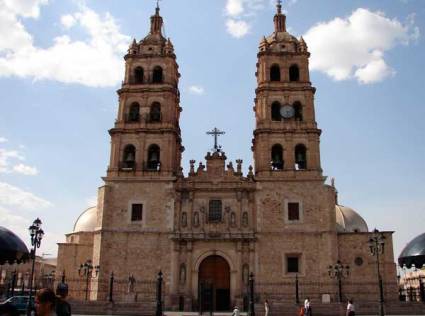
pixel 216 132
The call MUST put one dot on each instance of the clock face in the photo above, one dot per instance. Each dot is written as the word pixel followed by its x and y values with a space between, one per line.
pixel 287 111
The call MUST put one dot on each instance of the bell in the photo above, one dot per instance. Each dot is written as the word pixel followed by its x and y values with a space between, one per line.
pixel 130 157
pixel 154 156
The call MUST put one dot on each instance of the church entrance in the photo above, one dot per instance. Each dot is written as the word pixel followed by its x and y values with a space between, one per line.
pixel 214 284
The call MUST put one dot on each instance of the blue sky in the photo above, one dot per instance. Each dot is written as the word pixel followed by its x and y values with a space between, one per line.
pixel 61 63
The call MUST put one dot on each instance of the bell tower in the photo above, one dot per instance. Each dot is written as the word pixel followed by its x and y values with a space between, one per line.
pixel 286 137
pixel 146 138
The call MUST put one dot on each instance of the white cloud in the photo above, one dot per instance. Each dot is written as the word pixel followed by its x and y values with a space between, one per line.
pixel 196 90
pixel 95 61
pixel 68 21
pixel 234 7
pixel 9 159
pixel 374 71
pixel 6 156
pixel 14 196
pixel 25 8
pixel 25 170
pixel 354 47
pixel 3 140
pixel 237 28
pixel 240 14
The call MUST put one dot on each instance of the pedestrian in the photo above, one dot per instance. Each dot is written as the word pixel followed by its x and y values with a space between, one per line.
pixel 63 308
pixel 351 310
pixel 45 302
pixel 266 308
pixel 236 312
pixel 307 307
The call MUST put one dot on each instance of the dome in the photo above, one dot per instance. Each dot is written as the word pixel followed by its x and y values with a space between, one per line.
pixel 413 253
pixel 349 221
pixel 12 248
pixel 86 222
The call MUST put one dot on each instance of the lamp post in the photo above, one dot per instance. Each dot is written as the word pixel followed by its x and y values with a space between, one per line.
pixel 376 247
pixel 86 270
pixel 251 311
pixel 297 295
pixel 36 234
pixel 339 271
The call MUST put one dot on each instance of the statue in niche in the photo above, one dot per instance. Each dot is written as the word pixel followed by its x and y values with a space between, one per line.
pixel 232 219
pixel 184 219
pixel 182 274
pixel 196 219
pixel 245 219
pixel 131 282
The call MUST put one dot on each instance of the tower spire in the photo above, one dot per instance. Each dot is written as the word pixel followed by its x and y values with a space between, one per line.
pixel 156 21
pixel 279 19
pixel 279 6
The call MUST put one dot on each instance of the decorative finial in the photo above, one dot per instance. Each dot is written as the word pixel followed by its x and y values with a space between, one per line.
pixel 279 6
pixel 216 132
pixel 157 7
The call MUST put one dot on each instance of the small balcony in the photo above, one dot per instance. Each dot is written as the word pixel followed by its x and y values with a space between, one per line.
pixel 154 166
pixel 127 165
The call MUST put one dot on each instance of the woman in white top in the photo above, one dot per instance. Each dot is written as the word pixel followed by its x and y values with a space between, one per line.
pixel 236 312
pixel 307 307
pixel 266 308
pixel 350 308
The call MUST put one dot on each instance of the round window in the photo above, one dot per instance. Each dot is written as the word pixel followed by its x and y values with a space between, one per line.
pixel 358 261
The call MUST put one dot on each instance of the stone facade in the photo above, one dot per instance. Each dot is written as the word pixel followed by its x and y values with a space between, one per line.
pixel 278 221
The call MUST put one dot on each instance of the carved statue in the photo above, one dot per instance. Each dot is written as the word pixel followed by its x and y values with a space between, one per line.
pixel 196 219
pixel 245 219
pixel 182 275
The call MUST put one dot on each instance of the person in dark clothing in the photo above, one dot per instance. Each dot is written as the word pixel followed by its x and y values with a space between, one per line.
pixel 63 308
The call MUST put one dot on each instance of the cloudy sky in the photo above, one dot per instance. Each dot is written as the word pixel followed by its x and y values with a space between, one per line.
pixel 61 63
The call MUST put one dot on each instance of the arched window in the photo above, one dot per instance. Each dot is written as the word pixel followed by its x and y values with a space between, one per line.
pixel 277 157
pixel 300 157
pixel 275 73
pixel 294 73
pixel 134 112
pixel 138 75
pixel 155 112
pixel 298 109
pixel 129 157
pixel 157 75
pixel 153 157
pixel 276 111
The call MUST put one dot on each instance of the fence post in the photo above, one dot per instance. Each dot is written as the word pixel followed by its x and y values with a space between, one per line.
pixel 297 294
pixel 251 311
pixel 159 295
pixel 13 282
pixel 111 287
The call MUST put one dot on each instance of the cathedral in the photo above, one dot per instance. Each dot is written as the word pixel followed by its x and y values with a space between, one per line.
pixel 207 231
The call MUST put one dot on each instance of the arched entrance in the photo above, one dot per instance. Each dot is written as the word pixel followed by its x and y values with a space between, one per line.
pixel 214 284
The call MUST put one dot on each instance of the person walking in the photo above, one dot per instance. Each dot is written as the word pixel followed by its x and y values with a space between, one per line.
pixel 266 308
pixel 351 310
pixel 63 308
pixel 236 312
pixel 45 302
pixel 307 307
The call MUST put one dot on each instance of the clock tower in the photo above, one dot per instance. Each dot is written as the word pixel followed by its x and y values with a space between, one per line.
pixel 286 137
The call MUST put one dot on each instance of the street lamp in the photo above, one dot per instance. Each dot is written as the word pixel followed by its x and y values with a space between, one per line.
pixel 376 247
pixel 86 270
pixel 36 234
pixel 339 271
